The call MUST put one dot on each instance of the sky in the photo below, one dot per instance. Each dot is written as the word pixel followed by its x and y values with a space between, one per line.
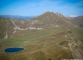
pixel 38 7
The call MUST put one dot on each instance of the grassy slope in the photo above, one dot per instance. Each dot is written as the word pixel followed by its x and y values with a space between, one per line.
pixel 78 32
pixel 31 36
pixel 38 47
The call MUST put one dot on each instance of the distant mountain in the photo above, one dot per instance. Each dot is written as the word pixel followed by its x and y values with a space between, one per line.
pixel 50 19
pixel 77 20
pixel 73 16
pixel 44 21
pixel 17 17
pixel 8 23
pixel 8 26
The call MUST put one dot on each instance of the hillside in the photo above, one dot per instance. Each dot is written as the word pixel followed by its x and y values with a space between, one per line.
pixel 50 36
pixel 77 20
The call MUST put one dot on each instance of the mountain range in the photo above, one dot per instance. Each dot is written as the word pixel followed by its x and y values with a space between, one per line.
pixel 17 17
pixel 50 36
pixel 78 20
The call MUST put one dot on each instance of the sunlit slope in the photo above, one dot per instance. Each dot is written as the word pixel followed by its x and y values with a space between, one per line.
pixel 50 36
pixel 43 46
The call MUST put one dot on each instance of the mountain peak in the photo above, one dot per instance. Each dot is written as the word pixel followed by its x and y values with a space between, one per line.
pixel 58 14
pixel 49 16
pixel 49 13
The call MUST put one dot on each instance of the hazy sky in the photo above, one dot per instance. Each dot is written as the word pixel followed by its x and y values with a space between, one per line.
pixel 38 7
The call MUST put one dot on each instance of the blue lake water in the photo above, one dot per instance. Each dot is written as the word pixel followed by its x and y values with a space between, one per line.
pixel 11 50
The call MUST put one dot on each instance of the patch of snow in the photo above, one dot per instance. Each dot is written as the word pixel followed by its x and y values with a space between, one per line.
pixel 34 28
pixel 23 29
pixel 73 16
pixel 56 26
pixel 64 47
pixel 39 28
pixel 15 26
pixel 31 28
pixel 35 22
pixel 25 41
pixel 13 33
pixel 18 28
pixel 6 36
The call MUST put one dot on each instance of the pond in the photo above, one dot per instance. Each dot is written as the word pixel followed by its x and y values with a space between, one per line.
pixel 11 50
